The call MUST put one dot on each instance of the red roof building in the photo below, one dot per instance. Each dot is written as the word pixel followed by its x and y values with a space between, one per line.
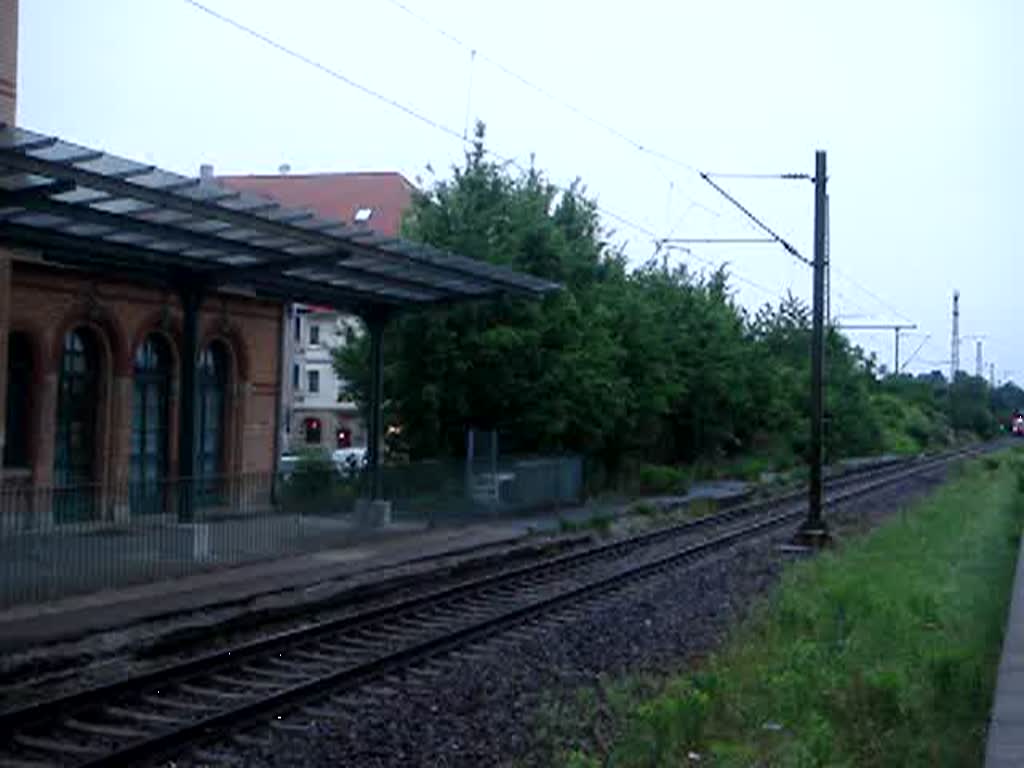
pixel 376 200
pixel 316 411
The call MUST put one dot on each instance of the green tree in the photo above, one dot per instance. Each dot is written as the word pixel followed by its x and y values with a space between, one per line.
pixel 969 406
pixel 546 374
pixel 1005 400
pixel 655 364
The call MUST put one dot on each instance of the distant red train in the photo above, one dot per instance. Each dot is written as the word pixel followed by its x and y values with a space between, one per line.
pixel 1017 424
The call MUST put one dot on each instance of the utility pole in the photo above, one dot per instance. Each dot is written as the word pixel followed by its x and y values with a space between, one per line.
pixel 895 327
pixel 979 364
pixel 954 357
pixel 992 375
pixel 814 531
pixel 828 263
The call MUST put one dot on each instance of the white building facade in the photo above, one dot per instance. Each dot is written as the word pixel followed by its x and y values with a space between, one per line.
pixel 315 410
pixel 318 412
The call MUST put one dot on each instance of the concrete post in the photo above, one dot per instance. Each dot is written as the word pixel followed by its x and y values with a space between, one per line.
pixel 191 300
pixel 376 439
pixel 375 511
pixel 119 483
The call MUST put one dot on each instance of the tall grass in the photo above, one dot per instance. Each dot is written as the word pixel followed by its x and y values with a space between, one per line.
pixel 880 654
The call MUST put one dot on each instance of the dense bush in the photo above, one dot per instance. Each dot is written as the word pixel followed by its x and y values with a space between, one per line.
pixel 655 479
pixel 315 485
pixel 908 426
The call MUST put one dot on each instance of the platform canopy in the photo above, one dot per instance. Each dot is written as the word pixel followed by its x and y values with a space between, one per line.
pixel 86 208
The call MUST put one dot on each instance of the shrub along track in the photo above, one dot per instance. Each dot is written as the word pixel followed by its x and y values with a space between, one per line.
pixel 185 705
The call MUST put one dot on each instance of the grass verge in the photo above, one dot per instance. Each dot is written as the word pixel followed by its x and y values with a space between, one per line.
pixel 880 654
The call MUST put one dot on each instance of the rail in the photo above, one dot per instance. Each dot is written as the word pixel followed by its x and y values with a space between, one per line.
pixel 154 713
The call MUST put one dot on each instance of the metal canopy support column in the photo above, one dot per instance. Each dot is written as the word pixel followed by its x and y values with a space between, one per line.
pixel 375 323
pixel 5 310
pixel 191 300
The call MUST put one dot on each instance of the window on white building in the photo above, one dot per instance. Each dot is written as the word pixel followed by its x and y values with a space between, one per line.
pixel 313 380
pixel 314 334
pixel 295 376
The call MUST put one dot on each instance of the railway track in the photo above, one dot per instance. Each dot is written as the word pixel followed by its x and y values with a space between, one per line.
pixel 174 708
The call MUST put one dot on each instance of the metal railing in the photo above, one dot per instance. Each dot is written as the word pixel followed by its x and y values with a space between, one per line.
pixel 60 541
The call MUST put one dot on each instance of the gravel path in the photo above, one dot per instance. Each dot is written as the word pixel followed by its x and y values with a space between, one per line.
pixel 480 708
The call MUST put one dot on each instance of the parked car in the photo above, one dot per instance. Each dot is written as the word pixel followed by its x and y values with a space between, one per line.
pixel 349 460
pixel 286 464
pixel 342 461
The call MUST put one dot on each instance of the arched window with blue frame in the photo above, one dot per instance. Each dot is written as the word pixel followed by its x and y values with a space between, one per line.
pixel 150 418
pixel 75 449
pixel 211 415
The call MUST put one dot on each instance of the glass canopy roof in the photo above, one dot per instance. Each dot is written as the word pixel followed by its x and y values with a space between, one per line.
pixel 99 211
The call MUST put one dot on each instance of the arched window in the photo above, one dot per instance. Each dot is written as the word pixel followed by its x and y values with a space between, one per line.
pixel 74 465
pixel 211 410
pixel 150 398
pixel 19 400
pixel 313 429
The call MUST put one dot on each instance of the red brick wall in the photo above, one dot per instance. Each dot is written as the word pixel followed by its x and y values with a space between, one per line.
pixel 8 60
pixel 46 302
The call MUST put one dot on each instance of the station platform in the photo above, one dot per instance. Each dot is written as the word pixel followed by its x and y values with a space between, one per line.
pixel 399 554
pixel 1005 743
pixel 410 551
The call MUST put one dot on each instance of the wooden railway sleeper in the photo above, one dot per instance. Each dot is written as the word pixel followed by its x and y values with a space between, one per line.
pixel 258 685
pixel 320 658
pixel 105 730
pixel 349 650
pixel 143 717
pixel 20 762
pixel 170 702
pixel 214 693
pixel 52 746
pixel 290 666
pixel 320 712
pixel 283 676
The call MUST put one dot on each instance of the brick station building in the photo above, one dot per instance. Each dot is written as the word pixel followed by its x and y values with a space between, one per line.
pixel 142 323
pixel 91 384
pixel 93 380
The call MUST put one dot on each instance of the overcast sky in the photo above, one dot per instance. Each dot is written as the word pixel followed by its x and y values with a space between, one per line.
pixel 919 104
